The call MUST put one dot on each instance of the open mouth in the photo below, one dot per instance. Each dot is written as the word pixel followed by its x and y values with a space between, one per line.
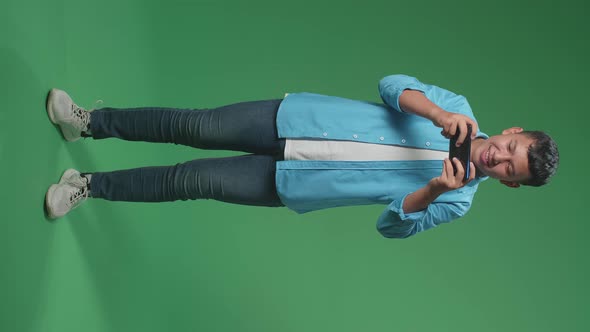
pixel 486 157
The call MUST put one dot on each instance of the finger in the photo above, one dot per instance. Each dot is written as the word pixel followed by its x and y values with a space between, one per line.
pixel 449 169
pixel 471 171
pixel 462 133
pixel 446 131
pixel 474 129
pixel 452 129
pixel 460 170
pixel 443 174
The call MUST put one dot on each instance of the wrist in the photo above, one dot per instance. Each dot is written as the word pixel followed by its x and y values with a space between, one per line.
pixel 435 114
pixel 434 190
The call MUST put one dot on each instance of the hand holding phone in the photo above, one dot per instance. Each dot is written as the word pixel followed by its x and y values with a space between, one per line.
pixel 463 152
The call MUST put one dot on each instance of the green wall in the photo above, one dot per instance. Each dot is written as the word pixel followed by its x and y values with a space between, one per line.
pixel 517 262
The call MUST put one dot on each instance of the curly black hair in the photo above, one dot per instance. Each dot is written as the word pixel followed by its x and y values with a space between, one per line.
pixel 543 158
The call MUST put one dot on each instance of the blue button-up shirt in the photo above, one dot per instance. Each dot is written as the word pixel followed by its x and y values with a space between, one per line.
pixel 308 185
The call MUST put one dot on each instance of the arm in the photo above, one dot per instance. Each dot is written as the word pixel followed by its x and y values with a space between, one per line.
pixel 396 223
pixel 417 211
pixel 391 88
pixel 420 199
pixel 415 102
pixel 447 181
pixel 407 94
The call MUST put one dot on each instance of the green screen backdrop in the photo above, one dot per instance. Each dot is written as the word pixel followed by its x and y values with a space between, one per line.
pixel 517 262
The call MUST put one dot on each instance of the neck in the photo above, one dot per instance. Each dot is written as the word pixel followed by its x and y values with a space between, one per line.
pixel 474 145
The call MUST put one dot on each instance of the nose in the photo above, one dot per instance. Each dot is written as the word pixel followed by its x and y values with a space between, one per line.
pixel 500 157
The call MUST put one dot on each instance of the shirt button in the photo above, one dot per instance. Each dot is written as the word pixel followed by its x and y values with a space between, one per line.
pixel 403 140
pixel 325 134
pixel 355 136
pixel 427 143
pixel 381 138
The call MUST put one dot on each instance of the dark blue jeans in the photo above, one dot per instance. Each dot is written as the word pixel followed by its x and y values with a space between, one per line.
pixel 248 179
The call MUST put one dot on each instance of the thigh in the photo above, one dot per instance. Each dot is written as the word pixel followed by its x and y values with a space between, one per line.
pixel 247 126
pixel 248 180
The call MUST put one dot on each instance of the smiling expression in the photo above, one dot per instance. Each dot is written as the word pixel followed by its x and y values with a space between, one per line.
pixel 503 157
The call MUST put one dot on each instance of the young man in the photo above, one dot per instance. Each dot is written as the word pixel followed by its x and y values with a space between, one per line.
pixel 311 152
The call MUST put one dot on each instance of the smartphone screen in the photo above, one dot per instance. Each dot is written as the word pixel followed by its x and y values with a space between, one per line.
pixel 463 153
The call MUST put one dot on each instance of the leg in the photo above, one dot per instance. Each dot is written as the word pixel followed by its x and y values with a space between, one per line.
pixel 248 180
pixel 247 126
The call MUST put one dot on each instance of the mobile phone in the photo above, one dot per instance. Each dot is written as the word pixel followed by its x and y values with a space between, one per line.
pixel 463 152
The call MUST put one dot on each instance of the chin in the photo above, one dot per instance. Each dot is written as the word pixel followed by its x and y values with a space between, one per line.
pixel 479 173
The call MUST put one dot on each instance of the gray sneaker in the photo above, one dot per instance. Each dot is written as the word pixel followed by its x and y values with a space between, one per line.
pixel 71 191
pixel 72 119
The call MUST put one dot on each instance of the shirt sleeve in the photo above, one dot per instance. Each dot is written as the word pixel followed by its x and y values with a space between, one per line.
pixel 395 223
pixel 392 86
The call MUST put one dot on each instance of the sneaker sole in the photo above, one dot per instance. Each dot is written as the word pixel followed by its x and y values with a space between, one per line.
pixel 49 106
pixel 48 197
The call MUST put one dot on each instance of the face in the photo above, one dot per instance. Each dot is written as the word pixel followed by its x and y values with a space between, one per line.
pixel 503 157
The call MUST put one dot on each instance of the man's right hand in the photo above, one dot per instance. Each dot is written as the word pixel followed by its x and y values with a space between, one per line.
pixel 448 181
pixel 453 122
pixel 415 102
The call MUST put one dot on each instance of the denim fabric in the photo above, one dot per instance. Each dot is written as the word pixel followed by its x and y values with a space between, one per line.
pixel 246 126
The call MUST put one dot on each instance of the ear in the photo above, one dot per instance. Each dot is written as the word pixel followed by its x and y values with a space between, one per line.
pixel 513 130
pixel 510 184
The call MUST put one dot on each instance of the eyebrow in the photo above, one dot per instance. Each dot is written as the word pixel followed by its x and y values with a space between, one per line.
pixel 513 168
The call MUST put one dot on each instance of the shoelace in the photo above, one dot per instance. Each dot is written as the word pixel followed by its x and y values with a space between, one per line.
pixel 77 197
pixel 81 181
pixel 82 116
pixel 97 104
